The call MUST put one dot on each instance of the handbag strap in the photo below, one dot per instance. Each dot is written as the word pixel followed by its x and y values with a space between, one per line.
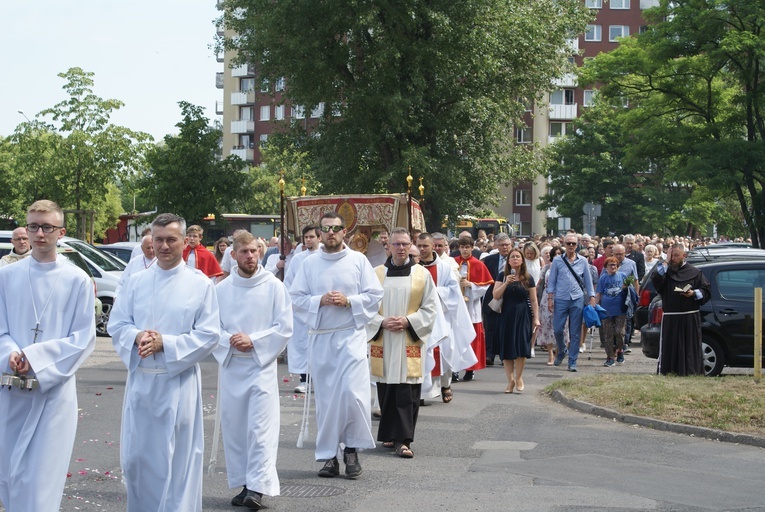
pixel 578 279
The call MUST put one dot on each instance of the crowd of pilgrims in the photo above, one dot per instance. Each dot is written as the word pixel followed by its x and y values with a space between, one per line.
pixel 250 301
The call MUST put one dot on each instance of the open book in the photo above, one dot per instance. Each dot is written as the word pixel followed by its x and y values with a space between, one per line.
pixel 683 289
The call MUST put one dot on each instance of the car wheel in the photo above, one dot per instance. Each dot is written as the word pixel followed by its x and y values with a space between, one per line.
pixel 714 360
pixel 106 309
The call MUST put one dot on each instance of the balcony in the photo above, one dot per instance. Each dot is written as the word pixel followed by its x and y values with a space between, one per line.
pixel 220 29
pixel 248 155
pixel 242 126
pixel 567 80
pixel 566 112
pixel 243 98
pixel 219 108
pixel 243 70
pixel 219 79
pixel 219 57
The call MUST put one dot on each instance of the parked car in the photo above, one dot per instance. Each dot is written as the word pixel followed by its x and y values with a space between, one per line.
pixel 727 319
pixel 75 259
pixel 123 250
pixel 105 269
pixel 695 256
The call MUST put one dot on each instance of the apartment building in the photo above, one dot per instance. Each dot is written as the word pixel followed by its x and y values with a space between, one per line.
pixel 250 106
pixel 549 120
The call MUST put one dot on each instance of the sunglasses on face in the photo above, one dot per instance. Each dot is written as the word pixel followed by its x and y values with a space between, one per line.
pixel 570 243
pixel 334 229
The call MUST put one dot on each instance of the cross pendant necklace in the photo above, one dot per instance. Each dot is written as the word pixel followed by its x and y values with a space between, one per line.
pixel 37 331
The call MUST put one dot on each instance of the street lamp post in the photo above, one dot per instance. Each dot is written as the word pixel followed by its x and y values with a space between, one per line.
pixel 25 116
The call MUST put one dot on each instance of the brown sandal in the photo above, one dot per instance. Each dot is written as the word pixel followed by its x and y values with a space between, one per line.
pixel 446 394
pixel 404 452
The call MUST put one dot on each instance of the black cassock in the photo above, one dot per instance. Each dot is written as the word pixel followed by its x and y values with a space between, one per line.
pixel 680 346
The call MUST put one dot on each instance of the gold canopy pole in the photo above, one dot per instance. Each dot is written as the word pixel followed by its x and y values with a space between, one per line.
pixel 409 180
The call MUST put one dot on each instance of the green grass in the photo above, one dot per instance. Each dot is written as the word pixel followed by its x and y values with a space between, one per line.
pixel 732 403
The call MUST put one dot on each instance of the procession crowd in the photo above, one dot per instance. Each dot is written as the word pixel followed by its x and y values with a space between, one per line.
pixel 374 322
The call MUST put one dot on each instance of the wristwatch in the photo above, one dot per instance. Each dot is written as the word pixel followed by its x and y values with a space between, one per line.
pixel 348 303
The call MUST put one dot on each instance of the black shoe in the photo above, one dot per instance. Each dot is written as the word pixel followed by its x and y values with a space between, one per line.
pixel 489 362
pixel 331 468
pixel 238 500
pixel 352 464
pixel 455 376
pixel 252 500
pixel 468 376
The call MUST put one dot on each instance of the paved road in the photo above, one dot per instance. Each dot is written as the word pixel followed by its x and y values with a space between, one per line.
pixel 485 451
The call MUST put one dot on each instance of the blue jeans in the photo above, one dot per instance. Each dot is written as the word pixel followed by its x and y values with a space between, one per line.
pixel 570 310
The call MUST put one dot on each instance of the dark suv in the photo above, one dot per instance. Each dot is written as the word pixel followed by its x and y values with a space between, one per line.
pixel 727 319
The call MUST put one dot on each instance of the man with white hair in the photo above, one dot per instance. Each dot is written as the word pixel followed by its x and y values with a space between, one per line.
pixel 139 263
pixel 21 249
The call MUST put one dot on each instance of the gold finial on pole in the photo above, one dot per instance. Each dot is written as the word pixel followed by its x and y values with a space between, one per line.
pixel 303 190
pixel 421 188
pixel 409 180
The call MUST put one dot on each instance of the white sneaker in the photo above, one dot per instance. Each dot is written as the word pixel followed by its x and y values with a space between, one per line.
pixel 532 352
pixel 581 349
pixel 301 388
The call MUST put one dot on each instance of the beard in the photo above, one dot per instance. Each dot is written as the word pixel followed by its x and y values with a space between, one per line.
pixel 675 266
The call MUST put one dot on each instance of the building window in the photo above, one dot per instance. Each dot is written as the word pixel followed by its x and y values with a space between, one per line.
pixel 594 4
pixel 557 128
pixel 589 97
pixel 523 198
pixel 265 86
pixel 524 228
pixel 523 135
pixel 265 113
pixel 298 112
pixel 279 85
pixel 619 4
pixel 279 112
pixel 562 97
pixel 246 114
pixel 643 29
pixel 263 140
pixel 318 111
pixel 246 84
pixel 593 33
pixel 245 142
pixel 616 31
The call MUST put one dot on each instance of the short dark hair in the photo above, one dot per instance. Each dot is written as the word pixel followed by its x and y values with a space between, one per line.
pixel 165 219
pixel 465 240
pixel 425 236
pixel 332 215
pixel 311 227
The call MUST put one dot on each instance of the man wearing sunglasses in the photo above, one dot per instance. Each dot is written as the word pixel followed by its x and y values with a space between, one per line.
pixel 335 293
pixel 568 281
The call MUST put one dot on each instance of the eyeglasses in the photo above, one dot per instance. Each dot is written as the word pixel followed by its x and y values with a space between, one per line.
pixel 571 243
pixel 401 244
pixel 47 228
pixel 334 229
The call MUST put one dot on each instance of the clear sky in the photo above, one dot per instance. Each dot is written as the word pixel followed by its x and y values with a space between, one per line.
pixel 148 54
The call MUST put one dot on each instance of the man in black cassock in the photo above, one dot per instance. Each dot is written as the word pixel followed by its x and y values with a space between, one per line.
pixel 683 288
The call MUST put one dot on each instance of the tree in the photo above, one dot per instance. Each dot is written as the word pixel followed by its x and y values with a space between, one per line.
pixel 71 154
pixel 185 174
pixel 432 85
pixel 694 83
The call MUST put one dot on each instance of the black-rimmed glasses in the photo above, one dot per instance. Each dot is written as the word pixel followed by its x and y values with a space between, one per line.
pixel 46 228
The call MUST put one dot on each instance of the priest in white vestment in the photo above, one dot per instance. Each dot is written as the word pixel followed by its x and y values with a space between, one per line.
pixel 47 330
pixel 454 352
pixel 297 348
pixel 139 263
pixel 335 292
pixel 256 323
pixel 399 335
pixel 165 322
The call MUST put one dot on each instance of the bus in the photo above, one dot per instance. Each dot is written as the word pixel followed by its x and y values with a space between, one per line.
pixel 491 226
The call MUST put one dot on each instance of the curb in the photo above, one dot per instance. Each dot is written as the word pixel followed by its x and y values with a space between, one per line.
pixel 652 423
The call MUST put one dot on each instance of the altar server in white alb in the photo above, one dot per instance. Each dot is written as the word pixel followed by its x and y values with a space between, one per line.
pixel 256 323
pixel 163 324
pixel 336 293
pixel 139 263
pixel 47 330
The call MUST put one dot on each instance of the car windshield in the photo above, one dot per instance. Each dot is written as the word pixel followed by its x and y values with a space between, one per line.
pixel 100 259
pixel 75 259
